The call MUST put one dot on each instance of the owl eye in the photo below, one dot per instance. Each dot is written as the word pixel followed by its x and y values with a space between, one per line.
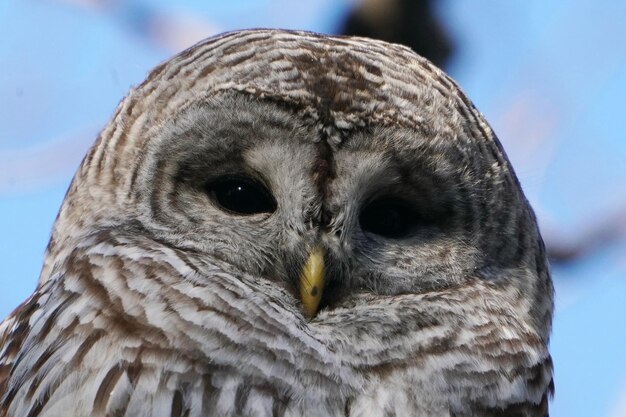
pixel 389 217
pixel 241 196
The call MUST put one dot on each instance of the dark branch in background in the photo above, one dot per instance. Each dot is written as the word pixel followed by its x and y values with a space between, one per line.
pixel 598 234
pixel 408 22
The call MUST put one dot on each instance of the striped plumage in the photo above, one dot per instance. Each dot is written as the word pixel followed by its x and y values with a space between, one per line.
pixel 154 301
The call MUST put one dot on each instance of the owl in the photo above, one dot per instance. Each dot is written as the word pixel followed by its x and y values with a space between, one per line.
pixel 280 223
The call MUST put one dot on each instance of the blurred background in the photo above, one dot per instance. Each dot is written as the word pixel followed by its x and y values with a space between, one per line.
pixel 549 76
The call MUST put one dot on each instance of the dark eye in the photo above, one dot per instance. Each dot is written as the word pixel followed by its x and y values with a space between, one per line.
pixel 241 196
pixel 389 217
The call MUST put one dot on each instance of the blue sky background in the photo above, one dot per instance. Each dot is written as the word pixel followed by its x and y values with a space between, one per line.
pixel 549 76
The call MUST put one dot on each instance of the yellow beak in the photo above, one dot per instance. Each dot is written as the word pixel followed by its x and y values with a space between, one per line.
pixel 312 282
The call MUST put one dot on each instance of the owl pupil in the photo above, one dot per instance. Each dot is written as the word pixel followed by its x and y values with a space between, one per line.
pixel 242 196
pixel 388 217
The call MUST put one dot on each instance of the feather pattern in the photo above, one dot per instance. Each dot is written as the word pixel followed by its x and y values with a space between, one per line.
pixel 152 302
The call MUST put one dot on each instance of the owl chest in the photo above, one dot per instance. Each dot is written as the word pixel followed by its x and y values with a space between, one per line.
pixel 226 392
pixel 176 388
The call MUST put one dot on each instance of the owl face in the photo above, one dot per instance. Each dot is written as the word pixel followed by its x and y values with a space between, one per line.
pixel 248 182
pixel 261 148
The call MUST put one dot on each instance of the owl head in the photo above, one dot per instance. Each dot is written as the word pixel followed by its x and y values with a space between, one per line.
pixel 331 168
